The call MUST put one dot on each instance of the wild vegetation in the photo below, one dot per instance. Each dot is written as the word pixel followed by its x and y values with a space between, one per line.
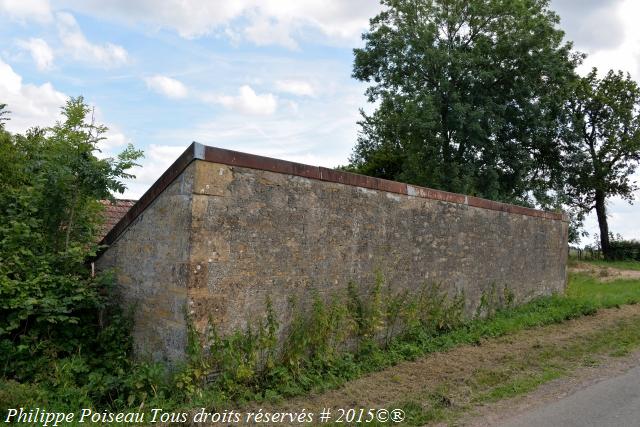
pixel 59 325
pixel 328 343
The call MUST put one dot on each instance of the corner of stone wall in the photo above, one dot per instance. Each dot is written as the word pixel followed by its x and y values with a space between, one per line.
pixel 150 260
pixel 210 251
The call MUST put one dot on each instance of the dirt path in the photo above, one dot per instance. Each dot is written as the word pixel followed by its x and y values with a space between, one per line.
pixel 605 274
pixel 612 400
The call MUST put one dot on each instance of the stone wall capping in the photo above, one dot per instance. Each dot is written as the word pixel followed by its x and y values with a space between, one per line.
pixel 197 151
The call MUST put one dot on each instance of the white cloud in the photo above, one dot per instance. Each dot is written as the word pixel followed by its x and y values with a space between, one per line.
pixel 190 18
pixel 23 10
pixel 259 21
pixel 626 55
pixel 295 87
pixel 112 144
pixel 77 45
pixel 246 102
pixel 334 18
pixel 579 18
pixel 167 86
pixel 30 105
pixel 113 139
pixel 320 133
pixel 40 52
pixel 265 30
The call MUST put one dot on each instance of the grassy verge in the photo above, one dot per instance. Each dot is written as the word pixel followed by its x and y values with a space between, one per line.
pixel 585 296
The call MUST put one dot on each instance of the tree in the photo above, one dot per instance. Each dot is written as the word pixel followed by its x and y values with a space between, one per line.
pixel 3 113
pixel 468 94
pixel 602 145
pixel 52 182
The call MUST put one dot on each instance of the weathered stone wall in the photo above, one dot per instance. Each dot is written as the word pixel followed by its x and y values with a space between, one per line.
pixel 220 239
pixel 151 259
pixel 258 233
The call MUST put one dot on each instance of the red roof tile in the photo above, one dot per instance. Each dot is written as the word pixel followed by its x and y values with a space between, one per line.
pixel 113 212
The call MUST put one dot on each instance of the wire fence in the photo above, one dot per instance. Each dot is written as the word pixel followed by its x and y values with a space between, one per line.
pixel 585 253
pixel 620 251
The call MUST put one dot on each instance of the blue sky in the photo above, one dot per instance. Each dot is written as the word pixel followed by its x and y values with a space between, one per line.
pixel 270 77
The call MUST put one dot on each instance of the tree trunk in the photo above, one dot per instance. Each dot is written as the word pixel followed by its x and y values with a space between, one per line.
pixel 601 212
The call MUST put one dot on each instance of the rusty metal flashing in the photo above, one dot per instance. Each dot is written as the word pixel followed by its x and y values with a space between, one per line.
pixel 198 151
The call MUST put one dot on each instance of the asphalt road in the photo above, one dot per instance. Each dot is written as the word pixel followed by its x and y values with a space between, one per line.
pixel 612 402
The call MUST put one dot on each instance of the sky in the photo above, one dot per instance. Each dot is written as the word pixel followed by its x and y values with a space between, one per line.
pixel 268 77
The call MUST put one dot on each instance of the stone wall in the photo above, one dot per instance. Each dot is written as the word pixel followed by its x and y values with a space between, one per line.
pixel 222 238
pixel 151 259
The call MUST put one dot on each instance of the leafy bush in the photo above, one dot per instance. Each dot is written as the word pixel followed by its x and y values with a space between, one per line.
pixel 58 328
pixel 623 250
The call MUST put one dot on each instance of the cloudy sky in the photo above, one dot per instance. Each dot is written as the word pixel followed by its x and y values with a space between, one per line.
pixel 269 77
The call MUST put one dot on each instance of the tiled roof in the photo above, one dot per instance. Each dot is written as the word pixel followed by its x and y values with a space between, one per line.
pixel 113 213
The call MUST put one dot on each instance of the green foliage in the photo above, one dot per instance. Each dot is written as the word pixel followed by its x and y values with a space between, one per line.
pixel 621 250
pixel 493 300
pixel 58 326
pixel 601 145
pixel 251 366
pixel 432 322
pixel 468 96
pixel 3 114
pixel 610 294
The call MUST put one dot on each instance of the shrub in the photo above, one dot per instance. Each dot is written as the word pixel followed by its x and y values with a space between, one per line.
pixel 622 250
pixel 58 328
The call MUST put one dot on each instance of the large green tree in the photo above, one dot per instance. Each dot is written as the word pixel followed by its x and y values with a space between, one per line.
pixel 602 147
pixel 468 96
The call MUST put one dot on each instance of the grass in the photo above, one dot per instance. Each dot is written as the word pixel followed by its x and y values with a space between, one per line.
pixel 585 287
pixel 542 363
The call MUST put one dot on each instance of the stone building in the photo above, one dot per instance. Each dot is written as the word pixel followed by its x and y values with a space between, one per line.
pixel 221 231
